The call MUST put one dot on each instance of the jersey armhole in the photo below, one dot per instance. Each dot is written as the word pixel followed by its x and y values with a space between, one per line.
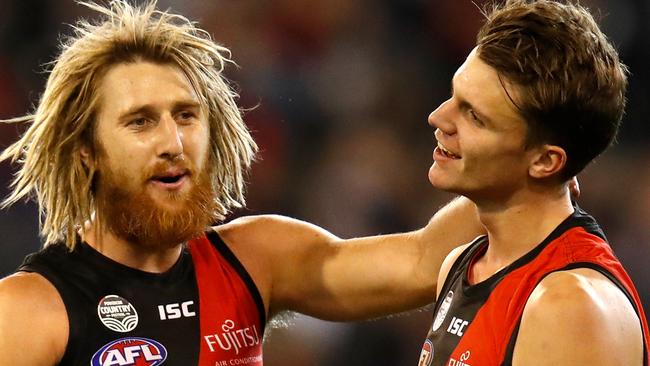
pixel 76 322
pixel 507 361
pixel 225 251
pixel 458 263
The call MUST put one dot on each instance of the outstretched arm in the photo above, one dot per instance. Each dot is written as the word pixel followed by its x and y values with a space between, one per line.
pixel 301 267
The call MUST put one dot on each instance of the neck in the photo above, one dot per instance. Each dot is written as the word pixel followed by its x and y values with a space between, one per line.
pixel 520 223
pixel 149 259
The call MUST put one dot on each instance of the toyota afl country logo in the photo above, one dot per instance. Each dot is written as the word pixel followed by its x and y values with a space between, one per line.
pixel 442 312
pixel 117 314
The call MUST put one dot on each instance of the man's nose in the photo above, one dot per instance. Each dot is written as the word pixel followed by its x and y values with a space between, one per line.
pixel 171 138
pixel 442 118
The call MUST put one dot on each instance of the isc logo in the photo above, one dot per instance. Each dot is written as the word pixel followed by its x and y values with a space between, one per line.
pixel 175 311
pixel 130 351
pixel 457 326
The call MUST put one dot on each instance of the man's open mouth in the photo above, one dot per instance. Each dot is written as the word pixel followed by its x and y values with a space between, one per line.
pixel 447 153
pixel 171 177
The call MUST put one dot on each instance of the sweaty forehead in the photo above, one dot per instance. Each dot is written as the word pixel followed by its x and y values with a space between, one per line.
pixel 132 85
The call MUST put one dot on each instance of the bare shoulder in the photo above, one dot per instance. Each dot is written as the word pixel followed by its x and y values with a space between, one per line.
pixel 578 317
pixel 273 248
pixel 33 317
pixel 29 293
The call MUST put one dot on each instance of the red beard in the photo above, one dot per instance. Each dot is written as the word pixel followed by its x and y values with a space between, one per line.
pixel 133 215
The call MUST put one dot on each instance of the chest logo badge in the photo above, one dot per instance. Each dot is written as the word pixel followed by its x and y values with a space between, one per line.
pixel 426 356
pixel 442 312
pixel 130 351
pixel 117 314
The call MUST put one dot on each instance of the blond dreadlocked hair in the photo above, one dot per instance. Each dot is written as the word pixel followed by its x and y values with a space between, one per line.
pixel 51 168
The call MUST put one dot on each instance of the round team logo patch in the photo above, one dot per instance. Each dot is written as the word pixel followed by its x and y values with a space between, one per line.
pixel 117 314
pixel 442 312
pixel 130 351
pixel 426 356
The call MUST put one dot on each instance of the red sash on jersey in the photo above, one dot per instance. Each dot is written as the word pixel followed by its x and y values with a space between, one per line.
pixel 231 330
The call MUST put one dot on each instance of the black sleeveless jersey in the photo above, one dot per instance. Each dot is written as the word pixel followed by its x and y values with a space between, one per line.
pixel 205 310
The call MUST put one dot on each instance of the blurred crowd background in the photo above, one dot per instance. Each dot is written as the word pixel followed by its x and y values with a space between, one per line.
pixel 337 95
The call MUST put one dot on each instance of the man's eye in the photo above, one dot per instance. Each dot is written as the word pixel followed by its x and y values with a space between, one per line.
pixel 474 117
pixel 138 122
pixel 185 116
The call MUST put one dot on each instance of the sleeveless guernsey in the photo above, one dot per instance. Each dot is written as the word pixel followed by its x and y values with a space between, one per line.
pixel 204 311
pixel 477 325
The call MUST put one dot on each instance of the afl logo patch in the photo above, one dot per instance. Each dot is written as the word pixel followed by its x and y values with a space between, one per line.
pixel 130 351
pixel 426 356
pixel 442 312
pixel 117 314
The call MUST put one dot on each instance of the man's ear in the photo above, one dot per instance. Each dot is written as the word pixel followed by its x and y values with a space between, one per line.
pixel 548 160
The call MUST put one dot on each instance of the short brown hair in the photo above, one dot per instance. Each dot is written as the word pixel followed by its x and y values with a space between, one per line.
pixel 570 82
